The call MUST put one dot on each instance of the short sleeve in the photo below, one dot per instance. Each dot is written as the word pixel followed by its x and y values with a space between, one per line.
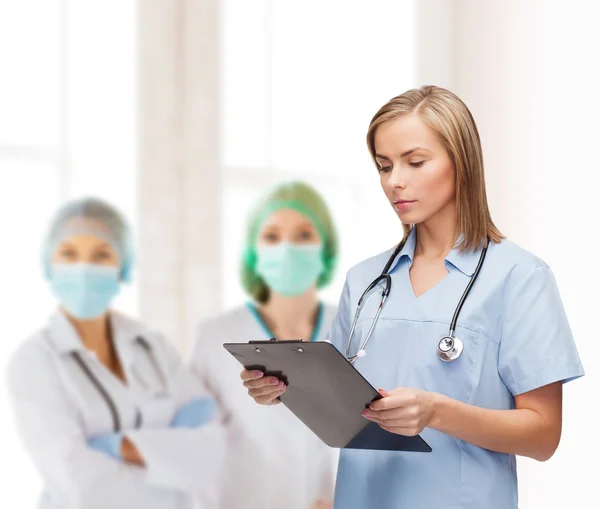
pixel 340 326
pixel 536 346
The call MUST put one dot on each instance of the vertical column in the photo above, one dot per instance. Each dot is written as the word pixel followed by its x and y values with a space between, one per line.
pixel 202 187
pixel 161 171
pixel 179 178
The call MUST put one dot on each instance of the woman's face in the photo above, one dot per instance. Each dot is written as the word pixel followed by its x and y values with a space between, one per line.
pixel 85 249
pixel 415 170
pixel 287 225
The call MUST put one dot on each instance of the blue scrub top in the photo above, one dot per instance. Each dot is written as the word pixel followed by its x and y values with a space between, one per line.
pixel 516 338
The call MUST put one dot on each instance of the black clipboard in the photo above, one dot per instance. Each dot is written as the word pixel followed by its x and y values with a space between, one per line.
pixel 325 392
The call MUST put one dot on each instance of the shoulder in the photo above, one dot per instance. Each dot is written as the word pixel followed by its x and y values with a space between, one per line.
pixel 207 355
pixel 213 331
pixel 505 253
pixel 217 323
pixel 133 331
pixel 130 327
pixel 514 263
pixel 521 279
pixel 221 325
pixel 515 255
pixel 374 263
pixel 368 269
pixel 34 358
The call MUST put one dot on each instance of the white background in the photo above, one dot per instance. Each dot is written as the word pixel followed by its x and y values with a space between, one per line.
pixel 67 129
pixel 299 84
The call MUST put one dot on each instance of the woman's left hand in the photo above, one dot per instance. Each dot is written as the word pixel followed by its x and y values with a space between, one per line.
pixel 402 411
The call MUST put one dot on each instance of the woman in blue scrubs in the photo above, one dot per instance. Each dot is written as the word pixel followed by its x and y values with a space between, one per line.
pixel 502 396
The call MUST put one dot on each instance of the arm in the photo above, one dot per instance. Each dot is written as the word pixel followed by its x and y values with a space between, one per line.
pixel 50 429
pixel 188 459
pixel 536 355
pixel 532 429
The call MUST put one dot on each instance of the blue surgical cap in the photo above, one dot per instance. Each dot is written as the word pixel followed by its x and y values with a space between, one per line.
pixel 90 216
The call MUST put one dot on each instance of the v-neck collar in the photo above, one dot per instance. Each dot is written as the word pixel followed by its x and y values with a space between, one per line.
pixel 316 329
pixel 66 340
pixel 124 333
pixel 431 290
pixel 465 262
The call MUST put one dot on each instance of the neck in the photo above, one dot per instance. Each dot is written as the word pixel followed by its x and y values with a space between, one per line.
pixel 291 314
pixel 436 236
pixel 94 333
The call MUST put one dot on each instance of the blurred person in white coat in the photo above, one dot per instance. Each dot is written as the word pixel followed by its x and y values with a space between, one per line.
pixel 290 252
pixel 105 408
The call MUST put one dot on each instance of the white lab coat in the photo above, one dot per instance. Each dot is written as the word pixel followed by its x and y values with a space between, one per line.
pixel 274 461
pixel 58 409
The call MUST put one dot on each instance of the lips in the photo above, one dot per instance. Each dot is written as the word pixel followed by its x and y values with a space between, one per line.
pixel 403 205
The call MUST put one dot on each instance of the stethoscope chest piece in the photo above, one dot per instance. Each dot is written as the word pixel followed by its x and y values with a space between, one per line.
pixel 449 348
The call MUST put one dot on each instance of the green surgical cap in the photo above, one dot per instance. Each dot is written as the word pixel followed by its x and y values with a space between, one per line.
pixel 305 199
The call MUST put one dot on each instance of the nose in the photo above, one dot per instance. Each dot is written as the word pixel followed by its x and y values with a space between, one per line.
pixel 397 178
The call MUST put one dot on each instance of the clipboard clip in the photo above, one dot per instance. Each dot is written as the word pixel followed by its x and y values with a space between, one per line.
pixel 272 340
pixel 275 340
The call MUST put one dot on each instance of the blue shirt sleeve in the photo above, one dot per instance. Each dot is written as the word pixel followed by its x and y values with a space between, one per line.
pixel 340 327
pixel 536 347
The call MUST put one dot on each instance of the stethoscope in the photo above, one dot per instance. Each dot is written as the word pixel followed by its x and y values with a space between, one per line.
pixel 449 348
pixel 104 393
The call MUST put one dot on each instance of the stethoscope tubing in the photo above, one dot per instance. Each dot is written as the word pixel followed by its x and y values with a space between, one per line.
pixel 385 276
pixel 104 393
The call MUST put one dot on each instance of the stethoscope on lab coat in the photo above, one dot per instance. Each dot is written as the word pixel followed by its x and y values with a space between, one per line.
pixel 104 393
pixel 449 348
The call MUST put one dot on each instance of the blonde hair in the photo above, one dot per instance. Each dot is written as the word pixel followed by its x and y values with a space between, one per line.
pixel 444 113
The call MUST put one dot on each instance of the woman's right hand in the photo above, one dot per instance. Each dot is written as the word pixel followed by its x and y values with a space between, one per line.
pixel 263 389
